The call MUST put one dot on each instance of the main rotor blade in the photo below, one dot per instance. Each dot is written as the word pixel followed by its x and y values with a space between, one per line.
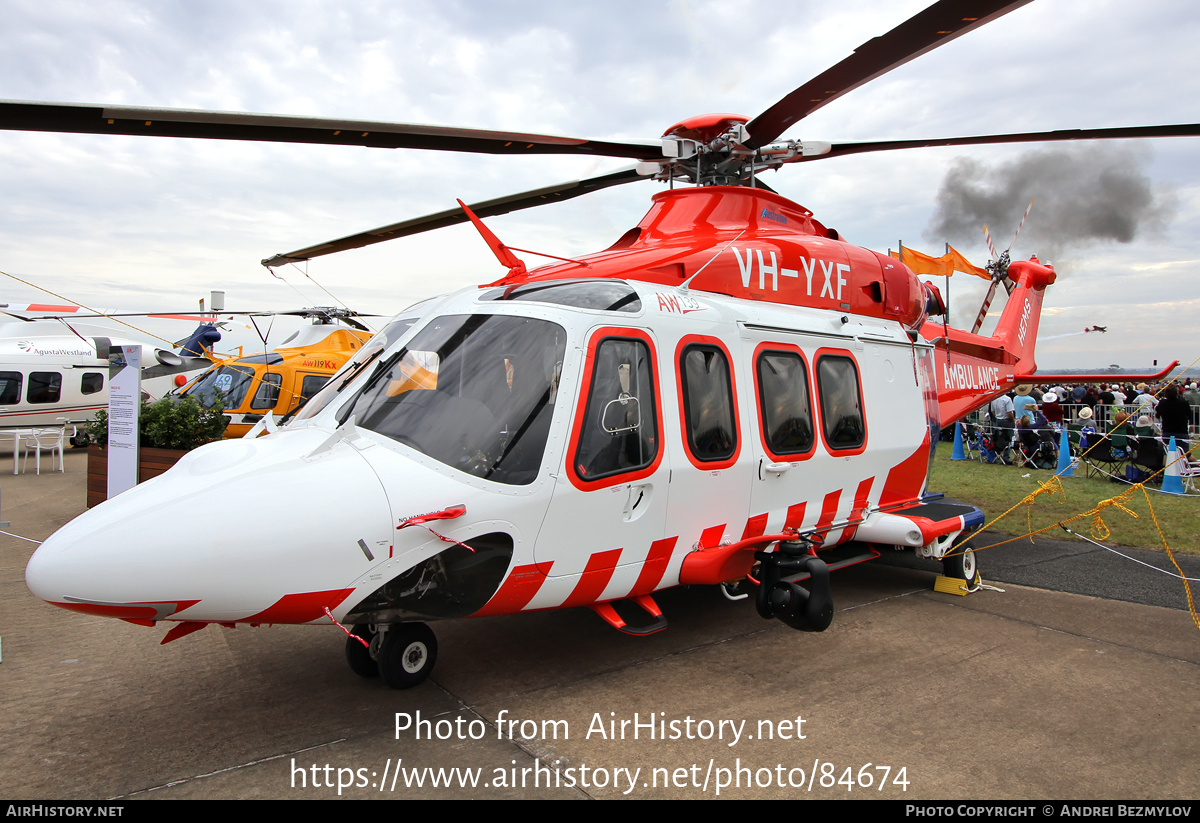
pixel 1120 133
pixel 933 27
pixel 85 119
pixel 450 217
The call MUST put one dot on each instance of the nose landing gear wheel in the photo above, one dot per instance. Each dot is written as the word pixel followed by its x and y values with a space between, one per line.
pixel 358 656
pixel 407 655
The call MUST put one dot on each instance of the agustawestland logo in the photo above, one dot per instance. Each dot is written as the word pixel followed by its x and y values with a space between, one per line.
pixel 774 215
pixel 28 347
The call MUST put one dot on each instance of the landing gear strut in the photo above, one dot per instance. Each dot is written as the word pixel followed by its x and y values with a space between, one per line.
pixel 807 610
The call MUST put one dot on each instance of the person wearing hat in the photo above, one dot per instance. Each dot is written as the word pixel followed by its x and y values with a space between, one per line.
pixel 1051 408
pixel 1146 402
pixel 1087 430
pixel 1192 394
pixel 1024 404
pixel 1148 448
pixel 1119 398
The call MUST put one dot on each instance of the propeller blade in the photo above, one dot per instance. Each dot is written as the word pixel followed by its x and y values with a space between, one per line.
pixel 1121 133
pixel 89 119
pixel 933 27
pixel 450 217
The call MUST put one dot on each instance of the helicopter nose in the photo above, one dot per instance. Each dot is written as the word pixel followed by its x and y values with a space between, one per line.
pixel 273 529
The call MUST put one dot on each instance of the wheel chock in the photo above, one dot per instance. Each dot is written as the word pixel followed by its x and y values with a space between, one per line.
pixel 951 585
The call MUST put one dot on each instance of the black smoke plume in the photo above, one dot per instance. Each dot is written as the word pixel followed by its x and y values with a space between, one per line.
pixel 1085 194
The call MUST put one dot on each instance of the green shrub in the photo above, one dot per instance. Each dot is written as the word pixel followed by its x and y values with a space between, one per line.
pixel 169 423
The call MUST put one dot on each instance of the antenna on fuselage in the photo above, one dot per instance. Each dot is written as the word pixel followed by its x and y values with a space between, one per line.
pixel 683 287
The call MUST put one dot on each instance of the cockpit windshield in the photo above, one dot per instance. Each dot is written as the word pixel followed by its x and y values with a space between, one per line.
pixel 355 366
pixel 475 392
pixel 224 387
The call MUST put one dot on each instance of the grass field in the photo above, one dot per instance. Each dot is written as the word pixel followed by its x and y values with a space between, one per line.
pixel 996 488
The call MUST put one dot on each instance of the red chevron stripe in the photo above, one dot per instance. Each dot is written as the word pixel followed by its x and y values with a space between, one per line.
pixel 514 594
pixel 595 577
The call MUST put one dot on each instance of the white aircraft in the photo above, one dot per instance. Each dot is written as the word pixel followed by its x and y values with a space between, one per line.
pixel 52 374
pixel 730 391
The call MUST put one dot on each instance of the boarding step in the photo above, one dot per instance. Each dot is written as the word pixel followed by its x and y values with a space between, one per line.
pixel 608 614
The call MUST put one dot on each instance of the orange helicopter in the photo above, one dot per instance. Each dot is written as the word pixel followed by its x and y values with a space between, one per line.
pixel 279 380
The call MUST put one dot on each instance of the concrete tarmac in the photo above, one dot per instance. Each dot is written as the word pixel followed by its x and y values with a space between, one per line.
pixel 911 694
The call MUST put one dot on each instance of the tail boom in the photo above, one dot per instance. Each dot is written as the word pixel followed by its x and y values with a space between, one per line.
pixel 972 369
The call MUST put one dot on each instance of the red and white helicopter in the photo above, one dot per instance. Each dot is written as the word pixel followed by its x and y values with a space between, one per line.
pixel 729 390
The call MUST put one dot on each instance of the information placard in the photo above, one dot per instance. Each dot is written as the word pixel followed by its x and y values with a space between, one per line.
pixel 124 405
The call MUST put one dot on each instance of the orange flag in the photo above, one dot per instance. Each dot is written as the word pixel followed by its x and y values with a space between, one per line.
pixel 963 265
pixel 945 265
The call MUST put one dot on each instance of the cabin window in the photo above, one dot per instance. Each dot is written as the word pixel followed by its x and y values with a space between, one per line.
pixel 91 382
pixel 10 387
pixel 785 403
pixel 600 295
pixel 268 391
pixel 475 392
pixel 619 430
pixel 841 403
pixel 707 391
pixel 44 387
pixel 311 385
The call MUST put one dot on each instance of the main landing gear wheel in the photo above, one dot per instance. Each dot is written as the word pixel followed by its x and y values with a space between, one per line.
pixel 358 655
pixel 962 565
pixel 407 655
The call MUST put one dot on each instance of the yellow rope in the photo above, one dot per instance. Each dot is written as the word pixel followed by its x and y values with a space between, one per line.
pixel 1187 587
pixel 1099 528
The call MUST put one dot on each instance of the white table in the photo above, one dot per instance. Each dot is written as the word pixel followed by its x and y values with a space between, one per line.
pixel 15 435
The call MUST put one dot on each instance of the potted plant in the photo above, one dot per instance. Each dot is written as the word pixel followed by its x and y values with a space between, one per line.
pixel 168 429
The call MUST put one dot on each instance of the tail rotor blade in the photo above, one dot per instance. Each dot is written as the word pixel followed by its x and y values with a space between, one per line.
pixel 983 310
pixel 991 246
pixel 1021 225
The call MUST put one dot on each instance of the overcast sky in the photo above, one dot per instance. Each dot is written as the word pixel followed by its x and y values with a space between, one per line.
pixel 152 223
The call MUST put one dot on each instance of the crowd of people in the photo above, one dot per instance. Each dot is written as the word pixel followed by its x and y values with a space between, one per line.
pixel 1030 419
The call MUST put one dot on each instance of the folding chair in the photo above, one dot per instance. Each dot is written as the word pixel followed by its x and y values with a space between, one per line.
pixel 989 452
pixel 970 438
pixel 1110 454
pixel 1047 451
pixel 1149 453
pixel 1189 470
pixel 1002 443
pixel 40 440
